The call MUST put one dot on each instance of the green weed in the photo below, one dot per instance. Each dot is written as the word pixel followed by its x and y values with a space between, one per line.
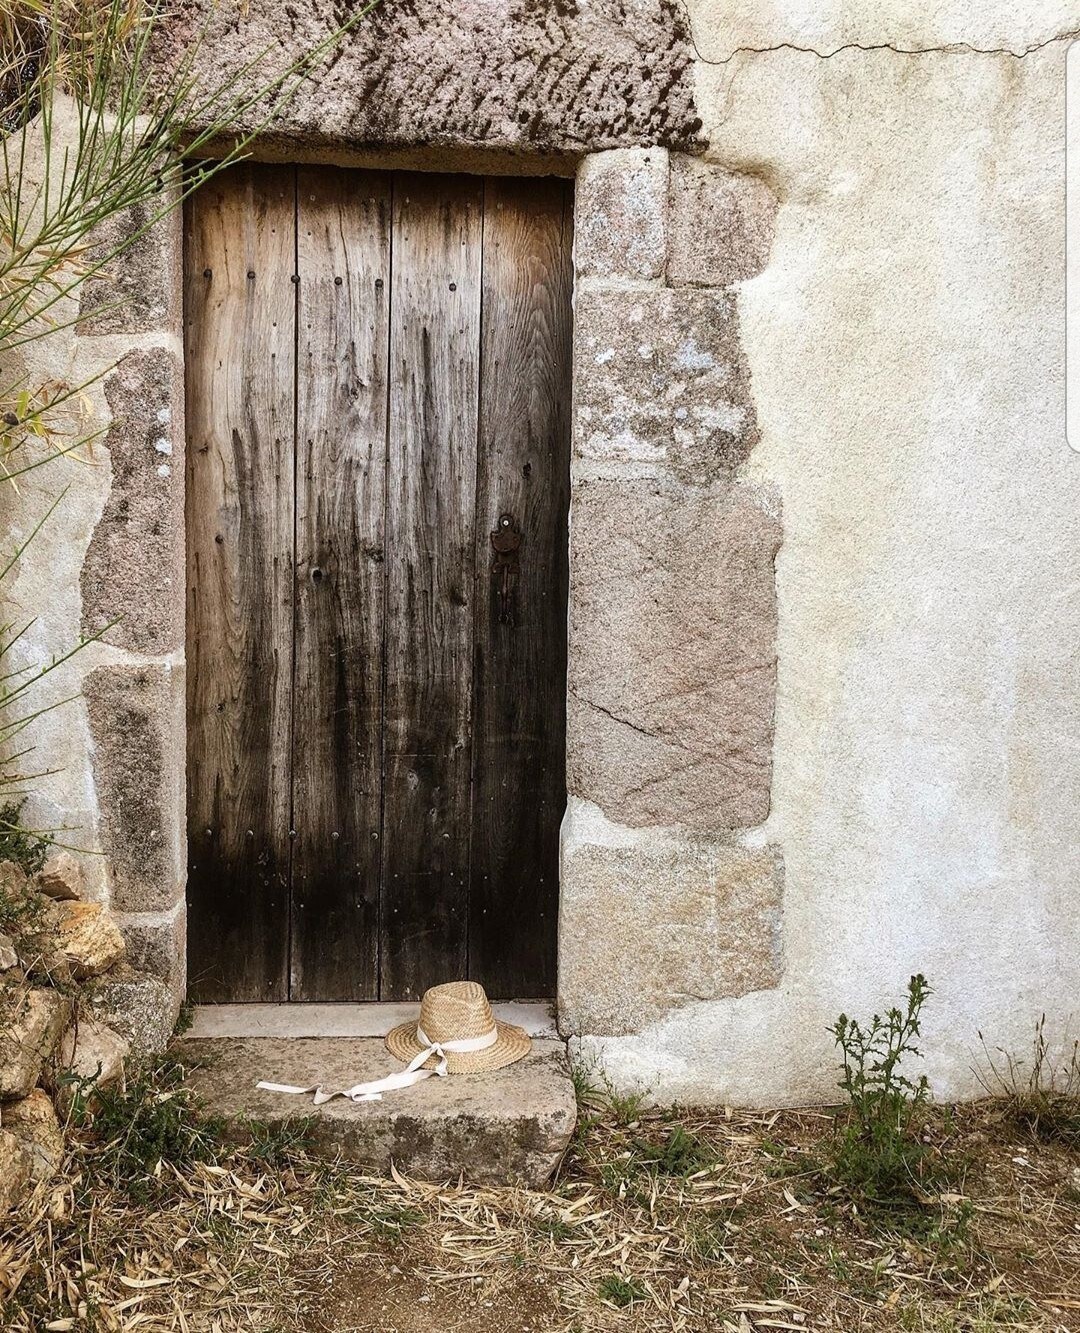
pixel 681 1154
pixel 274 1142
pixel 553 1228
pixel 149 1118
pixel 24 846
pixel 618 1291
pixel 709 1239
pixel 876 1150
pixel 626 1107
pixel 585 1090
pixel 391 1223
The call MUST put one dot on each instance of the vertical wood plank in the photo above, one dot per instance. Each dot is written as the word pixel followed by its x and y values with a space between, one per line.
pixel 240 344
pixel 434 374
pixel 519 731
pixel 343 224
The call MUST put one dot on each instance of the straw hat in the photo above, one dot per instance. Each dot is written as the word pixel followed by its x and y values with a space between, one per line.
pixel 459 1012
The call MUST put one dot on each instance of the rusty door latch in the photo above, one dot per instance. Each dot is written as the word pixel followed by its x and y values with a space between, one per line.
pixel 506 543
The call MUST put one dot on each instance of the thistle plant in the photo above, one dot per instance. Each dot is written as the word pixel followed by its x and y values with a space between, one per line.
pixel 876 1149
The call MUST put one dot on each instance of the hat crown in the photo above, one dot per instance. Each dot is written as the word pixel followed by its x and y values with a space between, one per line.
pixel 455 1010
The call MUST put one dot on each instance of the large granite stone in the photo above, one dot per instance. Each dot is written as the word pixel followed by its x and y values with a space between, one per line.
pixel 157 944
pixel 136 715
pixel 660 381
pixel 660 922
pixel 721 224
pixel 621 214
pixel 139 289
pixel 672 664
pixel 138 1006
pixel 556 77
pixel 133 573
pixel 510 1125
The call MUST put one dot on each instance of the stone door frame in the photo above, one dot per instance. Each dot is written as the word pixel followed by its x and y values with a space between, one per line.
pixel 664 895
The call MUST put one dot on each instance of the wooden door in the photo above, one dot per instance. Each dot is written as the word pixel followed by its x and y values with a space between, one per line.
pixel 378 386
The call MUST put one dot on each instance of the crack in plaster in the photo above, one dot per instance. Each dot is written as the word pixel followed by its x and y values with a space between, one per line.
pixel 950 48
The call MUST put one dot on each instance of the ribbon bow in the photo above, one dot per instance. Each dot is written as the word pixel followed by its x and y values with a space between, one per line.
pixel 373 1090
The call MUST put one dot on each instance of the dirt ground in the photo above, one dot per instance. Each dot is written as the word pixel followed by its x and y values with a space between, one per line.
pixel 722 1221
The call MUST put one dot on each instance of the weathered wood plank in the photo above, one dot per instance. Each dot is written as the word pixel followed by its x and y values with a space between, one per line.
pixel 240 343
pixel 434 374
pixel 343 230
pixel 519 728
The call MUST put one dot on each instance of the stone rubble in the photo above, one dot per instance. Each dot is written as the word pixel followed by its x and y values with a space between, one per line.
pixel 61 878
pixel 35 1021
pixel 15 1168
pixel 90 940
pixel 90 1052
pixel 34 1122
pixel 63 976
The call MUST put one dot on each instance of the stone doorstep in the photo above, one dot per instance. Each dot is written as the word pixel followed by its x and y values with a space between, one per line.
pixel 512 1125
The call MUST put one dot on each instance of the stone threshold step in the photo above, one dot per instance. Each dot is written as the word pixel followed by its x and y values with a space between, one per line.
pixel 509 1126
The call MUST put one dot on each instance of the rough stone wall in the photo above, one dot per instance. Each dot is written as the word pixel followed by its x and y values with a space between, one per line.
pixel 903 344
pixel 668 894
pixel 112 555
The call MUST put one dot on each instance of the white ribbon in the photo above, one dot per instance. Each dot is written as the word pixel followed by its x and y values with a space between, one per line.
pixel 373 1090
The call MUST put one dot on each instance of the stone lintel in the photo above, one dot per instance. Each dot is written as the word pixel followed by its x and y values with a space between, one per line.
pixel 512 75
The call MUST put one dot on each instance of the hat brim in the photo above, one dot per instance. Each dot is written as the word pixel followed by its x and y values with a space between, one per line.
pixel 513 1043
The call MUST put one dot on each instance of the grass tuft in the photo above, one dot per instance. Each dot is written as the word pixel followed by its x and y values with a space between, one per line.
pixel 1041 1099
pixel 618 1291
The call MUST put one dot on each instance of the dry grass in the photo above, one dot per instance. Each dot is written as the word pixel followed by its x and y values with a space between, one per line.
pixel 705 1222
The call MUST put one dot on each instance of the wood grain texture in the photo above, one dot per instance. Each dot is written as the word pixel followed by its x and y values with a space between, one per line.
pixel 378 368
pixel 519 724
pixel 240 340
pixel 343 228
pixel 434 385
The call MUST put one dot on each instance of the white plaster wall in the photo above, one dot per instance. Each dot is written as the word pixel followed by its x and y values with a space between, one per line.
pixel 41 593
pixel 906 343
